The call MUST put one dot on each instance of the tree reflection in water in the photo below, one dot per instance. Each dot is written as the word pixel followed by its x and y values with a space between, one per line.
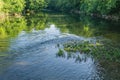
pixel 107 56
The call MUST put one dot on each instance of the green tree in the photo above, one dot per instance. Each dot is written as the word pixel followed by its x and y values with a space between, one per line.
pixel 13 6
pixel 98 6
pixel 1 5
pixel 35 5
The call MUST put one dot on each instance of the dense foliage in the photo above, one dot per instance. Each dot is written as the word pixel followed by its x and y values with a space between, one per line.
pixel 103 7
pixel 12 6
pixel 1 5
pixel 63 5
pixel 18 6
pixel 87 6
pixel 36 5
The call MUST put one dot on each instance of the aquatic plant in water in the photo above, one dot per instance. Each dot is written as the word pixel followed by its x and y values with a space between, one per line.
pixel 100 49
pixel 60 53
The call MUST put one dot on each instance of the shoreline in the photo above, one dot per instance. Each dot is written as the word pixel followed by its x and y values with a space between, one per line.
pixel 106 17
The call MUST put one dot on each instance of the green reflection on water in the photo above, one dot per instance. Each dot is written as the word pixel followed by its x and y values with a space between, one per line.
pixel 11 27
pixel 82 26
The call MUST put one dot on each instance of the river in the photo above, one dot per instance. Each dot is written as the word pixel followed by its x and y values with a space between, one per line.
pixel 29 47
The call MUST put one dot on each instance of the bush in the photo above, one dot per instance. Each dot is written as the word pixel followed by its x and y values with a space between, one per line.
pixel 35 5
pixel 13 6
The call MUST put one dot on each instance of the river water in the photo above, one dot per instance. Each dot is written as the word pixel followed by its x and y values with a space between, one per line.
pixel 29 47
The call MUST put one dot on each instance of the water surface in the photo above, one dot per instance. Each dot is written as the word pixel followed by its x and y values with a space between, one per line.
pixel 29 48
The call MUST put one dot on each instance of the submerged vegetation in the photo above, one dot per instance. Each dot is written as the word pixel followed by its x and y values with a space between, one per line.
pixel 60 53
pixel 101 49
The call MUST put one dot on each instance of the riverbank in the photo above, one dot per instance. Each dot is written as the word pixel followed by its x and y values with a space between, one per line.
pixel 113 17
pixel 106 17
